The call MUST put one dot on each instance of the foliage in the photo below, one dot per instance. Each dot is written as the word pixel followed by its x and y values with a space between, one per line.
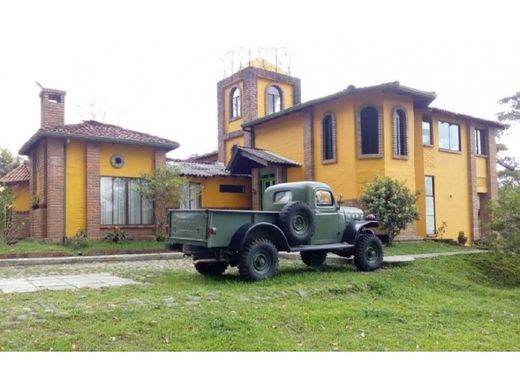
pixel 6 214
pixel 504 227
pixel 441 230
pixel 393 204
pixel 510 174
pixel 461 238
pixel 163 186
pixel 79 240
pixel 116 235
pixel 7 161
pixel 513 111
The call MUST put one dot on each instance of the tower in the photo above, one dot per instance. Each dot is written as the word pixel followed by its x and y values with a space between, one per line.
pixel 258 89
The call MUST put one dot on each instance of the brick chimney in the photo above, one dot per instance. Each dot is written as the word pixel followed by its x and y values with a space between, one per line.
pixel 52 107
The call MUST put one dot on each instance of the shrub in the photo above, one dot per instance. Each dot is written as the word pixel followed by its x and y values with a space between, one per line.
pixel 461 238
pixel 117 235
pixel 79 240
pixel 393 204
pixel 504 227
pixel 6 215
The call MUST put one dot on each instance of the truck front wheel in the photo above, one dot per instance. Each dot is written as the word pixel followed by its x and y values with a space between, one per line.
pixel 258 260
pixel 368 253
pixel 211 268
pixel 313 258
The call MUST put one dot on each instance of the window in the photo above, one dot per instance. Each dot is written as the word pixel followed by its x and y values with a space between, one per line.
pixel 449 136
pixel 400 136
pixel 232 188
pixel 122 204
pixel 480 142
pixel 190 196
pixel 235 103
pixel 427 130
pixel 328 138
pixel 274 100
pixel 429 192
pixel 369 118
pixel 283 197
pixel 324 198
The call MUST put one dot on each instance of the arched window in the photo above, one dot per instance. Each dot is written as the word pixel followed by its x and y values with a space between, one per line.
pixel 235 103
pixel 328 137
pixel 369 118
pixel 400 133
pixel 274 100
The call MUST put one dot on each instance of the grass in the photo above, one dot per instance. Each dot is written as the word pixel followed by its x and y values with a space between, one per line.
pixel 28 247
pixel 418 247
pixel 456 303
pixel 92 247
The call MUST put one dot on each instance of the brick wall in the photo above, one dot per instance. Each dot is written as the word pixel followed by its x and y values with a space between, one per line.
pixel 93 191
pixel 21 225
pixel 55 189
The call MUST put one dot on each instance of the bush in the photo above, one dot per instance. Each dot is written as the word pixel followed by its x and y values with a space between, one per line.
pixel 504 227
pixel 117 235
pixel 6 215
pixel 393 204
pixel 461 238
pixel 79 240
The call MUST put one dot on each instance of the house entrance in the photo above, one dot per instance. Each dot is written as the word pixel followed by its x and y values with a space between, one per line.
pixel 266 180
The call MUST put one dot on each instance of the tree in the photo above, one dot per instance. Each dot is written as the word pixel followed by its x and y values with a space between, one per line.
pixel 504 225
pixel 163 186
pixel 393 204
pixel 7 161
pixel 510 175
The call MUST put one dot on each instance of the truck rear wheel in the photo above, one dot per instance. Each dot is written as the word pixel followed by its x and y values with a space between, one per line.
pixel 258 260
pixel 211 268
pixel 313 258
pixel 368 252
pixel 297 222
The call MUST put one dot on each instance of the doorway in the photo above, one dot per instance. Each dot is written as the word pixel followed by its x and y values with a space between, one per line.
pixel 266 180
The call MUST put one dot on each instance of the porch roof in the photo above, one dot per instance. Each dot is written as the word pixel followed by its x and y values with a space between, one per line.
pixel 243 159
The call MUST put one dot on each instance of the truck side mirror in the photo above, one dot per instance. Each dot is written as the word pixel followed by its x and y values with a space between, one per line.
pixel 340 200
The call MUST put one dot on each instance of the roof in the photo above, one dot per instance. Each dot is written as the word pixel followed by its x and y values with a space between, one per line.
pixel 485 121
pixel 421 98
pixel 206 157
pixel 201 170
pixel 17 175
pixel 243 159
pixel 102 132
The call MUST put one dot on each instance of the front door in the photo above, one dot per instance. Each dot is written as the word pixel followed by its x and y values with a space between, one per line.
pixel 265 181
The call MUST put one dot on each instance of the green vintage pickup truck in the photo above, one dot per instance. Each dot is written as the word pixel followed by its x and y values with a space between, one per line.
pixel 297 217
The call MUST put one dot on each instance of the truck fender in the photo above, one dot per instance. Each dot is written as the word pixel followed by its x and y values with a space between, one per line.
pixel 256 230
pixel 353 228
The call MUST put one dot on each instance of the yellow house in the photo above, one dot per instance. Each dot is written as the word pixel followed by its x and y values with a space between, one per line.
pixel 347 138
pixel 83 177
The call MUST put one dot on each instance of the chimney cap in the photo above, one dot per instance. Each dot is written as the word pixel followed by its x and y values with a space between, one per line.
pixel 47 91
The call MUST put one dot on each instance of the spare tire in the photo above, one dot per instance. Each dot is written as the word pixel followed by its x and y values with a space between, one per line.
pixel 297 222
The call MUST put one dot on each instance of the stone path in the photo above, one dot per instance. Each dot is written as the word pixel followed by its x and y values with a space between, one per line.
pixel 62 282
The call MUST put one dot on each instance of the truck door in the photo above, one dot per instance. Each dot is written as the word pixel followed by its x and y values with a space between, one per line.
pixel 326 217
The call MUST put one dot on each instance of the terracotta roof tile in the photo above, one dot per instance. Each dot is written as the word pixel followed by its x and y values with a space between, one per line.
pixel 93 130
pixel 17 175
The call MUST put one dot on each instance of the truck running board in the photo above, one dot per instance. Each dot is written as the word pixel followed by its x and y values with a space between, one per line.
pixel 324 247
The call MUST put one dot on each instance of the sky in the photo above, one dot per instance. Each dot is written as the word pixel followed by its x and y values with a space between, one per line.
pixel 152 66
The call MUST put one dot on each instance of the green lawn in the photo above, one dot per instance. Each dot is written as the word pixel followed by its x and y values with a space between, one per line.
pixel 456 303
pixel 91 247
pixel 417 247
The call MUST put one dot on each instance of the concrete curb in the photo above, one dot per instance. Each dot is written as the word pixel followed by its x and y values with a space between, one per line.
pixel 331 259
